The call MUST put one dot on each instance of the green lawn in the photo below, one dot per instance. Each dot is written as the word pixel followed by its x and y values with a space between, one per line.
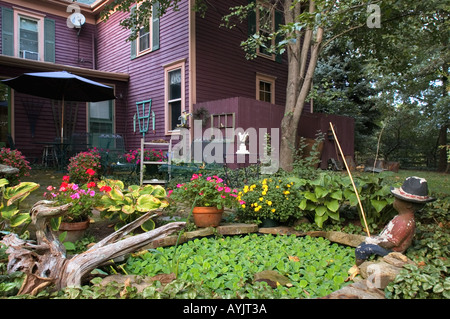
pixel 438 183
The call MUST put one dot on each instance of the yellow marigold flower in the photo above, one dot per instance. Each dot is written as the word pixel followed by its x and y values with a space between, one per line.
pixel 263 193
pixel 243 205
pixel 264 182
pixel 269 203
pixel 286 192
pixel 273 210
pixel 257 208
pixel 288 185
pixel 278 186
pixel 261 199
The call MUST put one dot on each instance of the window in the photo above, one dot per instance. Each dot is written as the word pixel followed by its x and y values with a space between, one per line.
pixel 265 88
pixel 265 24
pixel 174 95
pixel 148 36
pixel 27 34
pixel 265 20
pixel 28 38
pixel 144 39
pixel 101 120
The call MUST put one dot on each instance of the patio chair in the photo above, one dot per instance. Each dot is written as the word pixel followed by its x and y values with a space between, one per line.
pixel 114 163
pixel 79 142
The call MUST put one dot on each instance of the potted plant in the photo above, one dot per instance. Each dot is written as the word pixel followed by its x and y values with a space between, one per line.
pixel 208 195
pixel 83 199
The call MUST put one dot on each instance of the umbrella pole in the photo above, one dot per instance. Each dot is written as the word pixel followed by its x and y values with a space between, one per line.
pixel 62 120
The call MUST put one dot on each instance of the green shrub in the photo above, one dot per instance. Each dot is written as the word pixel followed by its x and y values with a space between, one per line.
pixel 274 198
pixel 82 162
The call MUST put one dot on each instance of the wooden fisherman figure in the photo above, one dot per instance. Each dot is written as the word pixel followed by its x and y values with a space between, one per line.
pixel 398 234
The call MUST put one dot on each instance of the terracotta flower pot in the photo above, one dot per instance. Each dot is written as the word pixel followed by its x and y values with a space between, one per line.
pixel 207 216
pixel 75 230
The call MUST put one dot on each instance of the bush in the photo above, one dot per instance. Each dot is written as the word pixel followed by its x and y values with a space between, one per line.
pixel 273 198
pixel 81 166
pixel 14 158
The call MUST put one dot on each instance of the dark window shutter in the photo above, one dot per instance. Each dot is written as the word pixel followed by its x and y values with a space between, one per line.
pixel 278 39
pixel 155 26
pixel 133 51
pixel 251 20
pixel 49 40
pixel 7 31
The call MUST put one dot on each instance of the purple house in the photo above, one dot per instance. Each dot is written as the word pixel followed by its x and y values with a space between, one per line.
pixel 183 62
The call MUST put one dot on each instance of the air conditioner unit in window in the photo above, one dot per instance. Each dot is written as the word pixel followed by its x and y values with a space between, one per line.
pixel 30 55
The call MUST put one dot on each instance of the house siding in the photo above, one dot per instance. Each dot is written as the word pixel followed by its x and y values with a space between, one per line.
pixel 222 68
pixel 269 116
pixel 73 48
pixel 146 71
pixel 70 48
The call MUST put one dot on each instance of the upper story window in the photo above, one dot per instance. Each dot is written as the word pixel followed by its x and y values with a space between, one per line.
pixel 265 25
pixel 148 36
pixel 264 21
pixel 27 34
pixel 28 38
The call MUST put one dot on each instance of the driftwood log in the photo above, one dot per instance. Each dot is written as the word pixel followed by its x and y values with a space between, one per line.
pixel 45 262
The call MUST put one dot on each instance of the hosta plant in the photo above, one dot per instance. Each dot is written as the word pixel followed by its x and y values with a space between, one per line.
pixel 130 203
pixel 11 217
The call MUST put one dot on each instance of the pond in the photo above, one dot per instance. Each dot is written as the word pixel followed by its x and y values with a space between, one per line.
pixel 226 266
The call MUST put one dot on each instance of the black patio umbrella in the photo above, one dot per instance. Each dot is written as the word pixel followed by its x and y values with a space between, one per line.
pixel 63 86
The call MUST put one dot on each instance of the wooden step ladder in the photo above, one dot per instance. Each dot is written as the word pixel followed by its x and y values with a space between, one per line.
pixel 142 162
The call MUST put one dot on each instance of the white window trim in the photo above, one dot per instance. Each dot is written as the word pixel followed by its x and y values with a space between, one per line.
pixel 168 68
pixel 258 52
pixel 269 79
pixel 18 13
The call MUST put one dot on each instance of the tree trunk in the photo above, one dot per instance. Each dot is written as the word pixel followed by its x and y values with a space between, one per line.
pixel 300 74
pixel 45 263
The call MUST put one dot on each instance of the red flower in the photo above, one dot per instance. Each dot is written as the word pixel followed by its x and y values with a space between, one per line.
pixel 91 184
pixel 105 189
pixel 64 186
pixel 66 178
pixel 90 171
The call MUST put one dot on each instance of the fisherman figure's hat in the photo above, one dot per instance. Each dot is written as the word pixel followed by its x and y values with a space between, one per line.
pixel 414 189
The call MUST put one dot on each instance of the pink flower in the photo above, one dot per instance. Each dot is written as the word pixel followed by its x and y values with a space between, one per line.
pixel 169 193
pixel 220 189
pixel 227 189
pixel 75 196
pixel 49 188
pixel 223 196
pixel 208 178
pixel 179 185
